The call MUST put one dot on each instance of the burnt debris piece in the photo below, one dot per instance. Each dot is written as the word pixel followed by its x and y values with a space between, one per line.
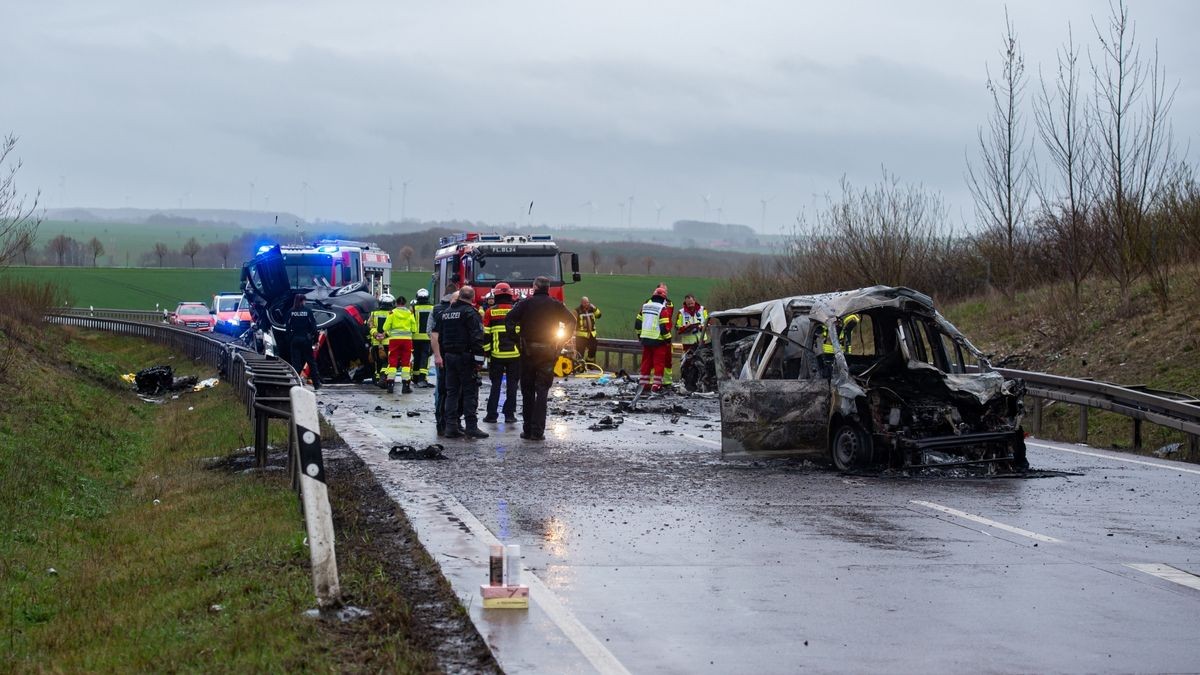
pixel 874 377
pixel 157 380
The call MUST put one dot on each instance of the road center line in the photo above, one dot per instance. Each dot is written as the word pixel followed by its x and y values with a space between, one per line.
pixel 1156 465
pixel 985 521
pixel 1169 573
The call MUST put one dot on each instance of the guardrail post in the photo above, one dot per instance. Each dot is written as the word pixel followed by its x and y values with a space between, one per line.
pixel 1037 415
pixel 1083 423
pixel 314 494
pixel 260 438
pixel 1137 434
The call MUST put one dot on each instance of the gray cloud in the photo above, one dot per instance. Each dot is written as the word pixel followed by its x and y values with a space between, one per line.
pixel 485 108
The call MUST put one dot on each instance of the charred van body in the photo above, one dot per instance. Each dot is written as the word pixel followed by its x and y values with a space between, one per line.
pixel 340 313
pixel 874 377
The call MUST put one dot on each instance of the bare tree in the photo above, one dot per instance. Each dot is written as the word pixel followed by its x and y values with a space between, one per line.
pixel 18 225
pixel 59 247
pixel 1137 150
pixel 96 248
pixel 407 254
pixel 1064 125
pixel 595 257
pixel 1002 182
pixel 621 261
pixel 648 263
pixel 223 249
pixel 161 251
pixel 190 249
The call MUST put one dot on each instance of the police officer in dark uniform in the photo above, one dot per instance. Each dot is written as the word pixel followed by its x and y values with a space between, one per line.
pixel 460 341
pixel 435 327
pixel 301 333
pixel 537 320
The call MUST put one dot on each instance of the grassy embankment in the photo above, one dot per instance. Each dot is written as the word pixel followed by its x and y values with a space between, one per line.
pixel 123 553
pixel 1101 337
pixel 618 296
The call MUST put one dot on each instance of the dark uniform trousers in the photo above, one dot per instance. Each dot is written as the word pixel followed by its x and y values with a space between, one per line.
pixel 420 359
pixel 462 390
pixel 537 374
pixel 301 354
pixel 498 369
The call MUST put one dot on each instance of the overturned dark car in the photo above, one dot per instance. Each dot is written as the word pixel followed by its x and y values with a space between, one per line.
pixel 870 378
pixel 341 313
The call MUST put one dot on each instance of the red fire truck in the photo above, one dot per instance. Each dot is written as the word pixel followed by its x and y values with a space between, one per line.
pixel 484 260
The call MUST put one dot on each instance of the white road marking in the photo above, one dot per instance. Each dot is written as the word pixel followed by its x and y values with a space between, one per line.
pixel 715 444
pixel 986 521
pixel 1156 465
pixel 1169 573
pixel 587 643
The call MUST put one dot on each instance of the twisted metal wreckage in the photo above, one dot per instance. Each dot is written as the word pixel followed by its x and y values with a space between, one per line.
pixel 873 377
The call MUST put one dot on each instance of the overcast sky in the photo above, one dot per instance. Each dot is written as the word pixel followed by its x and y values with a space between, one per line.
pixel 484 107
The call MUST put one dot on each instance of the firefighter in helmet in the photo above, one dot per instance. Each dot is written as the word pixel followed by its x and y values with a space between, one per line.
pixel 398 329
pixel 421 310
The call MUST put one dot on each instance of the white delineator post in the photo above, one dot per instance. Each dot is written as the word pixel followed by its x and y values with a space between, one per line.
pixel 314 493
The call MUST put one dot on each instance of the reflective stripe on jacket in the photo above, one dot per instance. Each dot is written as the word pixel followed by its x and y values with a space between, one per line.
pixel 653 324
pixel 498 344
pixel 690 326
pixel 400 325
pixel 375 325
pixel 585 321
pixel 421 313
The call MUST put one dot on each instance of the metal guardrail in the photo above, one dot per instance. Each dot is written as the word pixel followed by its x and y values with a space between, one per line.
pixel 1138 402
pixel 261 382
pixel 140 315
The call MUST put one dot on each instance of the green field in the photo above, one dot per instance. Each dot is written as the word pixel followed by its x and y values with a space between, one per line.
pixel 617 296
pixel 125 243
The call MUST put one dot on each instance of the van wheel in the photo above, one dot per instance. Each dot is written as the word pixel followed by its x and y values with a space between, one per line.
pixel 850 447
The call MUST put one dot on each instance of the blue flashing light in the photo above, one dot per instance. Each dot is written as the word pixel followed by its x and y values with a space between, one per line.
pixel 327 249
pixel 541 237
pixel 264 248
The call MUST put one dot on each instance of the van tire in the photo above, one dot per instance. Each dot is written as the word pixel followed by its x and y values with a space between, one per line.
pixel 850 447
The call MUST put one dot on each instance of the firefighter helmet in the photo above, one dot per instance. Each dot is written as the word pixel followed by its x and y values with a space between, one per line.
pixel 387 300
pixel 502 288
pixel 422 294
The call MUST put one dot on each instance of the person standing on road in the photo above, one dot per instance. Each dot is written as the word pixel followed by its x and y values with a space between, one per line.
pixel 537 320
pixel 460 342
pixel 399 329
pixel 585 329
pixel 504 364
pixel 301 334
pixel 378 339
pixel 421 310
pixel 691 323
pixel 653 326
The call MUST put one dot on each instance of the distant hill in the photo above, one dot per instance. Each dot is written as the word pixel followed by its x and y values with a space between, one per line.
pixel 241 218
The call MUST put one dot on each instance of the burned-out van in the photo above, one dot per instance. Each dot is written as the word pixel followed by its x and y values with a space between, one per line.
pixel 874 377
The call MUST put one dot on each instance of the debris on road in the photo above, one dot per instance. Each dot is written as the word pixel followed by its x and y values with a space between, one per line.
pixel 157 380
pixel 434 451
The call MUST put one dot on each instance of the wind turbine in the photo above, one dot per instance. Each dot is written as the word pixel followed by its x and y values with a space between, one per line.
pixel 591 207
pixel 763 222
pixel 630 222
pixel 707 206
pixel 721 211
pixel 657 213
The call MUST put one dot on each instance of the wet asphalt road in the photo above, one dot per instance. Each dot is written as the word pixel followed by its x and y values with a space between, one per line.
pixel 653 554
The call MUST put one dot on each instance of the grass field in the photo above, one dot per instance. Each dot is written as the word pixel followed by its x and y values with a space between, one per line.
pixel 125 243
pixel 617 296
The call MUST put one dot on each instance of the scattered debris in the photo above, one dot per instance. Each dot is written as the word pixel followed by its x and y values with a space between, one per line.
pixel 329 408
pixel 598 395
pixel 413 413
pixel 343 614
pixel 434 451
pixel 1168 450
pixel 216 608
pixel 205 384
pixel 51 571
pixel 606 423
pixel 157 380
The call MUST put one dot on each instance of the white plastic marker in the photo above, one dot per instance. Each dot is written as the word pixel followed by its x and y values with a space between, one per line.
pixel 986 521
pixel 1169 573
pixel 314 493
pixel 1156 465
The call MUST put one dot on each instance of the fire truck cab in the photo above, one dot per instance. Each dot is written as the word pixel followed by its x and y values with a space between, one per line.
pixel 484 260
pixel 338 263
